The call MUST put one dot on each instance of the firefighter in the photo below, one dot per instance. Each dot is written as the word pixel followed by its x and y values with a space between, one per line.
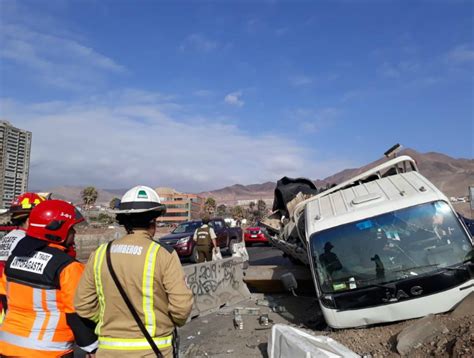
pixel 151 279
pixel 19 211
pixel 40 280
pixel 205 239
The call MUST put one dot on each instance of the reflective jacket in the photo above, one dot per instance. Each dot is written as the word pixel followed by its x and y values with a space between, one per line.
pixel 154 281
pixel 7 244
pixel 39 287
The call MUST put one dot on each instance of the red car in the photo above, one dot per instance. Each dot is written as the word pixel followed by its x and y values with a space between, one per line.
pixel 254 235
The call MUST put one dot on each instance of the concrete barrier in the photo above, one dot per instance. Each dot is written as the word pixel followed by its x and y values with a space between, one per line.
pixel 216 284
pixel 86 243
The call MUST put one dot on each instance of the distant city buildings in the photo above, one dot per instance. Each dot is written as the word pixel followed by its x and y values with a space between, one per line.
pixel 180 207
pixel 15 145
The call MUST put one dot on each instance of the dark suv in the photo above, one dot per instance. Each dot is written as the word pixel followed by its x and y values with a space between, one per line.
pixel 181 238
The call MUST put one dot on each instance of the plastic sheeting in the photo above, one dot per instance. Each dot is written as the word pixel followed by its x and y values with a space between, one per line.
pixel 239 250
pixel 286 341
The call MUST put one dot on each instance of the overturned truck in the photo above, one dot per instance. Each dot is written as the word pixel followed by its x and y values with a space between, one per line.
pixel 383 246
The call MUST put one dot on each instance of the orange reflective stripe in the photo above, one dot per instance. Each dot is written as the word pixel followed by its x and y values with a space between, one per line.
pixel 51 320
pixel 47 314
pixel 36 320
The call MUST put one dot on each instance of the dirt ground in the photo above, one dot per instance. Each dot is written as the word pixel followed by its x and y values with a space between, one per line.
pixel 214 335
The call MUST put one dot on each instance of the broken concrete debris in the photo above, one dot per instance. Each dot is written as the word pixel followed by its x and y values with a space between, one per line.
pixel 279 309
pixel 238 322
pixel 247 311
pixel 263 302
pixel 263 320
pixel 418 333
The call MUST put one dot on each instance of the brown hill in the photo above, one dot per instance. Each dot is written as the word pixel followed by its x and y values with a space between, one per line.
pixel 229 195
pixel 73 194
pixel 450 175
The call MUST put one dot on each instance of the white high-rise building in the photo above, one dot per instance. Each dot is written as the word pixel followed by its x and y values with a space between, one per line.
pixel 15 145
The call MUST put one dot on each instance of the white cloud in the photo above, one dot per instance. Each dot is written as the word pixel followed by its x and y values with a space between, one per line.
pixel 198 42
pixel 461 54
pixel 131 137
pixel 301 80
pixel 314 120
pixel 57 61
pixel 234 99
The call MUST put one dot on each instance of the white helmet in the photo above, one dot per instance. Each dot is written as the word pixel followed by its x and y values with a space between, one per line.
pixel 140 199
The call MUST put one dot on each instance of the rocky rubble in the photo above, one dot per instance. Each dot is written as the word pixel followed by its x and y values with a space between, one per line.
pixel 453 336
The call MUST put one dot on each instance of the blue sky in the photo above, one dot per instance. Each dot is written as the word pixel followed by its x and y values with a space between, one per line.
pixel 198 95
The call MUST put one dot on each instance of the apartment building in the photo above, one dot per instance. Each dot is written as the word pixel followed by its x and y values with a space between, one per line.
pixel 180 207
pixel 15 145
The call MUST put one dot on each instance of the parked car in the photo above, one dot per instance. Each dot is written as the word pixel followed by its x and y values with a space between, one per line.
pixel 254 235
pixel 181 238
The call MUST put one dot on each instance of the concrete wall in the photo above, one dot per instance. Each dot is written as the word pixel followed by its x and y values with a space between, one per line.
pixel 86 243
pixel 215 284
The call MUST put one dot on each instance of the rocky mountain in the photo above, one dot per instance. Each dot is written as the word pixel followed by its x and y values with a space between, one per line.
pixel 450 175
pixel 229 195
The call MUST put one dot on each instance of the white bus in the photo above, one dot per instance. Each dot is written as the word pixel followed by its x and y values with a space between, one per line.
pixel 384 246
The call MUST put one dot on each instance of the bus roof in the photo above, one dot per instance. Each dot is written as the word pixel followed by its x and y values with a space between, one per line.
pixel 369 199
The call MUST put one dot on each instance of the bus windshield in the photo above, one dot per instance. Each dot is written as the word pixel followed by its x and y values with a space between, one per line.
pixel 389 247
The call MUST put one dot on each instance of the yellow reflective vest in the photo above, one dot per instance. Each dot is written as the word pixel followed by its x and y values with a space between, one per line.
pixel 152 277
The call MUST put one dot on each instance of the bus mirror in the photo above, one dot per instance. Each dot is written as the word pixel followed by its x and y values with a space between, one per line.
pixel 289 282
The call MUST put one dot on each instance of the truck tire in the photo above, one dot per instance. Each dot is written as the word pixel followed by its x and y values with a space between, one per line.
pixel 194 255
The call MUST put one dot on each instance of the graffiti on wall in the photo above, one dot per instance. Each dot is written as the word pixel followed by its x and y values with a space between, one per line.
pixel 207 279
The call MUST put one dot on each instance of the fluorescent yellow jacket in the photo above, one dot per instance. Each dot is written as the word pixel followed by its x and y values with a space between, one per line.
pixel 154 280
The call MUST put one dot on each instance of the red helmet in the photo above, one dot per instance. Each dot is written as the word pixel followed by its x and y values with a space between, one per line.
pixel 24 203
pixel 52 219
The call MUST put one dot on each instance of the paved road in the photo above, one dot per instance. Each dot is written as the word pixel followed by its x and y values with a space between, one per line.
pixel 267 255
